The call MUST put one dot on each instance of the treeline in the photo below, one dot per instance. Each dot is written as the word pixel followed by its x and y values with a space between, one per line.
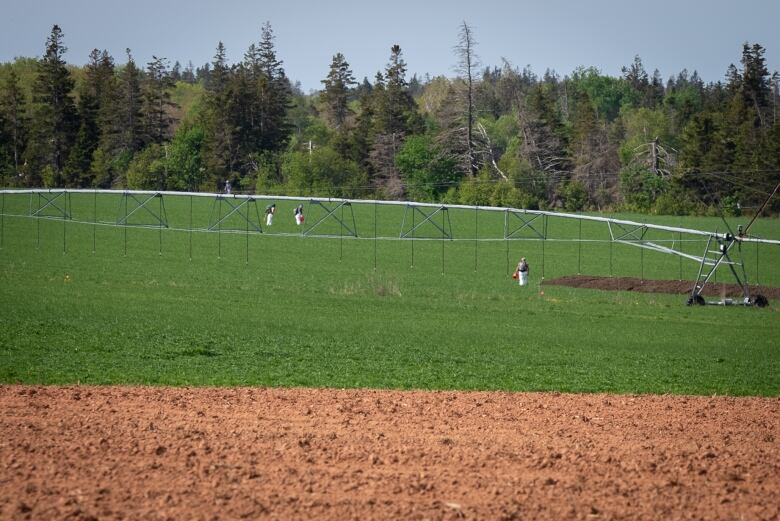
pixel 489 136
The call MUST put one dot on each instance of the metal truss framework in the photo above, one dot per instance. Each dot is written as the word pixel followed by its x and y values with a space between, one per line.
pixel 240 207
pixel 329 208
pixel 50 201
pixel 711 261
pixel 527 224
pixel 131 203
pixel 445 227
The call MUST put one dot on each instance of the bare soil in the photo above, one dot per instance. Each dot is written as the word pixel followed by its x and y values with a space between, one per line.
pixel 180 453
pixel 683 287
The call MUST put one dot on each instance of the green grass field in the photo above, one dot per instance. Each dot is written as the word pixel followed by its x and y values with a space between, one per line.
pixel 102 304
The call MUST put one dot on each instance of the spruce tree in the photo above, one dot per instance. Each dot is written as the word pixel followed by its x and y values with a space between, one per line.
pixel 397 106
pixel 335 96
pixel 756 91
pixel 189 73
pixel 218 120
pixel 395 115
pixel 155 110
pixel 176 72
pixel 13 127
pixel 128 108
pixel 90 96
pixel 106 89
pixel 274 95
pixel 733 80
pixel 362 135
pixel 636 76
pixel 55 119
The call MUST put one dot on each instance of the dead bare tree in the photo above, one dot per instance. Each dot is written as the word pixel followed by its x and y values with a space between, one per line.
pixel 382 157
pixel 657 158
pixel 462 137
pixel 595 162
pixel 542 148
pixel 468 62
pixel 485 152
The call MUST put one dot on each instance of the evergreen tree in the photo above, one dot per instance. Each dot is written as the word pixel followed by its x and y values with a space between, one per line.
pixel 202 73
pixel 13 127
pixel 636 76
pixel 54 118
pixel 397 109
pixel 335 96
pixel 218 122
pixel 128 109
pixel 274 95
pixel 91 95
pixel 242 116
pixel 106 88
pixel 705 147
pixel 733 80
pixel 363 88
pixel 755 85
pixel 176 72
pixel 189 73
pixel 155 110
pixel 654 94
pixel 395 115
pixel 362 136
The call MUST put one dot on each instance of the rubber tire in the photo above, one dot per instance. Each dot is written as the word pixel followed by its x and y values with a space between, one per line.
pixel 696 299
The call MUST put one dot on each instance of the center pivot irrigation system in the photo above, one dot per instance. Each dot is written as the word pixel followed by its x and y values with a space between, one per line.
pixel 722 249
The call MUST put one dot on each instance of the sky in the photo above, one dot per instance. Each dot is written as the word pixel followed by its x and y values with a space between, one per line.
pixel 669 35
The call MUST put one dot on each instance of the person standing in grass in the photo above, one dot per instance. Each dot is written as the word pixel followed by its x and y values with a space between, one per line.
pixel 299 214
pixel 270 210
pixel 522 272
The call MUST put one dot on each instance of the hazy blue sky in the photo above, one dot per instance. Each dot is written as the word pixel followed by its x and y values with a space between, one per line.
pixel 704 35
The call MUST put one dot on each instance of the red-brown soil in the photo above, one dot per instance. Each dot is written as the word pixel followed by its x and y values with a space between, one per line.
pixel 178 453
pixel 717 289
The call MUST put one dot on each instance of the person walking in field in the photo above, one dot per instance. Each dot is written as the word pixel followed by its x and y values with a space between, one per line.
pixel 299 214
pixel 270 210
pixel 522 272
pixel 227 187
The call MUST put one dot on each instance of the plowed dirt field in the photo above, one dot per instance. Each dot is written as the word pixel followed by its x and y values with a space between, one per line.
pixel 682 287
pixel 183 453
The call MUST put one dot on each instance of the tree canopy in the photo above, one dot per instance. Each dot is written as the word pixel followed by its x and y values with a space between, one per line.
pixel 488 135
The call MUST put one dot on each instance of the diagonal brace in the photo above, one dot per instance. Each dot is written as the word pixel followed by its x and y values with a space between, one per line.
pixel 629 233
pixel 725 258
pixel 141 204
pixel 526 224
pixel 427 218
pixel 236 208
pixel 331 212
pixel 51 201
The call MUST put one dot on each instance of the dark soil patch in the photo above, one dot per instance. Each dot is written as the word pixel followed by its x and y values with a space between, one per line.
pixel 681 287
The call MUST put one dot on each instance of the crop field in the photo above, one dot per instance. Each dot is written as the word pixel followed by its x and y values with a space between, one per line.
pixel 205 369
pixel 85 301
